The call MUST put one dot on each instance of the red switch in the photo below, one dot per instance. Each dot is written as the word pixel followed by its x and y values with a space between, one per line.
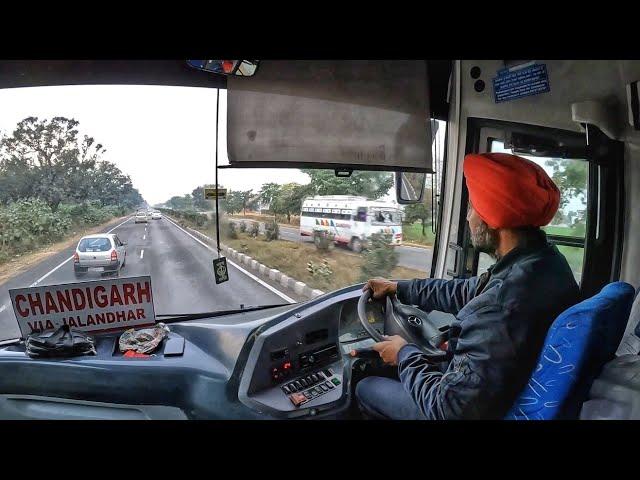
pixel 297 398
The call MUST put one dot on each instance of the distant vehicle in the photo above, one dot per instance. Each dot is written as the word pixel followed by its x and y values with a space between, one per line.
pixel 102 252
pixel 351 219
pixel 156 215
pixel 142 217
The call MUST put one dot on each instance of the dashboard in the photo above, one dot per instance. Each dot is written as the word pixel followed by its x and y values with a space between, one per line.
pixel 290 361
pixel 301 366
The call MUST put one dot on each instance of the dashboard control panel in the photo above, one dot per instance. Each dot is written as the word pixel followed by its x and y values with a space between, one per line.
pixel 305 389
pixel 296 367
pixel 319 357
pixel 283 365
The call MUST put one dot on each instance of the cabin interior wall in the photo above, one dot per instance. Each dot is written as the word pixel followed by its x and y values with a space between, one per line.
pixel 630 269
pixel 570 81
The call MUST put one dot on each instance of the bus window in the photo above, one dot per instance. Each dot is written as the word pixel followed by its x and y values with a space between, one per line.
pixel 381 216
pixel 567 230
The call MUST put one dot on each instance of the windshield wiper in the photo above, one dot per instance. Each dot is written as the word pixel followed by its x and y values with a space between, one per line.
pixel 195 316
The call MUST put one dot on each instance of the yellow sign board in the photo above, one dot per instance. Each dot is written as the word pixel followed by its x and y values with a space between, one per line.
pixel 212 193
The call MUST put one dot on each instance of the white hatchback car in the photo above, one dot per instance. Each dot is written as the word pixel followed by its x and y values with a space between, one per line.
pixel 156 216
pixel 102 252
pixel 141 217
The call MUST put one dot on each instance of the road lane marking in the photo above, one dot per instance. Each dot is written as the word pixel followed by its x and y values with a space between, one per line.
pixel 251 276
pixel 3 308
pixel 144 237
pixel 141 253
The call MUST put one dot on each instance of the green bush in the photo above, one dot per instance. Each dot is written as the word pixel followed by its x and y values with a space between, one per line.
pixel 271 231
pixel 323 240
pixel 230 230
pixel 197 219
pixel 74 211
pixel 190 217
pixel 30 223
pixel 322 273
pixel 380 258
pixel 254 230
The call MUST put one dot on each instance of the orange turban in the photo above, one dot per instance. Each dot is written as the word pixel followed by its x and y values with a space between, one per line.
pixel 508 191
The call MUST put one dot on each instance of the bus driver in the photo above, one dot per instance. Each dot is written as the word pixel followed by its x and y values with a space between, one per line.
pixel 502 316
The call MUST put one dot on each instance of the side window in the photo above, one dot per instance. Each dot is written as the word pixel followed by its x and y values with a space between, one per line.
pixel 361 216
pixel 117 241
pixel 567 230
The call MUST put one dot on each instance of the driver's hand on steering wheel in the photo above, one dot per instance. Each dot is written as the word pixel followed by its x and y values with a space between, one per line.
pixel 380 287
pixel 388 350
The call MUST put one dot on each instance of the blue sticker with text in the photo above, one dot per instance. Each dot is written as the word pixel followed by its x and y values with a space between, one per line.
pixel 519 82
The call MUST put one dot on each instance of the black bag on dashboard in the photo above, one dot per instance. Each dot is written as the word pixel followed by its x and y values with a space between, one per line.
pixel 63 342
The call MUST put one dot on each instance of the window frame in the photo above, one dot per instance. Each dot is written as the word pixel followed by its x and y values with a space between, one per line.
pixel 605 194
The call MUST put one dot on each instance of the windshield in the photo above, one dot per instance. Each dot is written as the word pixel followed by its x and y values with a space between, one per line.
pixel 102 244
pixel 81 160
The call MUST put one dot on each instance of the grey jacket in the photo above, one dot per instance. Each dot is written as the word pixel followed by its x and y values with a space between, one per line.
pixel 502 318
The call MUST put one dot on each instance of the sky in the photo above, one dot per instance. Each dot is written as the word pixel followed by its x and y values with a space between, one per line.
pixel 162 137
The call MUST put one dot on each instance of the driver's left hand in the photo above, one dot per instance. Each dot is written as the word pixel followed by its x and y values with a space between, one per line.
pixel 389 348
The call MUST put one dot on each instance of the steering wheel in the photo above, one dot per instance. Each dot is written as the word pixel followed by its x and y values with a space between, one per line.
pixel 409 322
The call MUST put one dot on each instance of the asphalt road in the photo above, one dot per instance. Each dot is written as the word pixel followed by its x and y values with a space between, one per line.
pixel 409 257
pixel 180 267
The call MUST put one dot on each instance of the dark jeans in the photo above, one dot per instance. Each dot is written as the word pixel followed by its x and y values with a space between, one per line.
pixel 386 398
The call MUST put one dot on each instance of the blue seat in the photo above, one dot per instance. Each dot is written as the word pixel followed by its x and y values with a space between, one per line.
pixel 580 341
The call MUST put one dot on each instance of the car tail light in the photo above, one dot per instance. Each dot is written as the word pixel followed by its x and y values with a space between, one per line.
pixel 399 235
pixel 76 257
pixel 114 256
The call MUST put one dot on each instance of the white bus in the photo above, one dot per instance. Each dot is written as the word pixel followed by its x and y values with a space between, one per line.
pixel 351 219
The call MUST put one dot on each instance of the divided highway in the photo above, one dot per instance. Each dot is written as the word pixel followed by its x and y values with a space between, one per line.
pixel 180 267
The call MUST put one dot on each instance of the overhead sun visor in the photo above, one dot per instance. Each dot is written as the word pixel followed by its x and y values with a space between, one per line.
pixel 330 114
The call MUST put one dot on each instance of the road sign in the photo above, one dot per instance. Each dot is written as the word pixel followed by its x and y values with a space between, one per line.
pixel 212 193
pixel 105 305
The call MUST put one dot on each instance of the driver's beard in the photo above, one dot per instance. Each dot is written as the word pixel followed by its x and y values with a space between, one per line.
pixel 486 240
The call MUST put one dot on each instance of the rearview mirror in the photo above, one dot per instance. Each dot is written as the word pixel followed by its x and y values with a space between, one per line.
pixel 410 187
pixel 238 68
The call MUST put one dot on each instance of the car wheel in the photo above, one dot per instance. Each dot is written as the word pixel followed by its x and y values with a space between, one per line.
pixel 356 245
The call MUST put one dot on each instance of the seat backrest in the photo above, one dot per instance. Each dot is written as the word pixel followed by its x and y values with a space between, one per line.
pixel 580 341
pixel 630 344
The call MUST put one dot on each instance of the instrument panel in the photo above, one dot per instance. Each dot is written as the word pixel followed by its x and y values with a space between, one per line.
pixel 301 366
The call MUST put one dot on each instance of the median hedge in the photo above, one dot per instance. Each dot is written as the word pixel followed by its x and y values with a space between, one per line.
pixel 196 218
pixel 28 224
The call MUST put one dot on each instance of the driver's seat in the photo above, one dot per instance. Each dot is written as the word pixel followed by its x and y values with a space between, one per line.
pixel 580 341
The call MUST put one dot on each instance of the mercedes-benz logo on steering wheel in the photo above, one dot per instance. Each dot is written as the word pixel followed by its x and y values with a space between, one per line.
pixel 415 321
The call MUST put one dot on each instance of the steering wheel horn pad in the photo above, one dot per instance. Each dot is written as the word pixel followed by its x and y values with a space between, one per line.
pixel 408 321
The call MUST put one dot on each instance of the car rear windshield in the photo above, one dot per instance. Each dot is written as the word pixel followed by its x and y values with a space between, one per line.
pixel 94 245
